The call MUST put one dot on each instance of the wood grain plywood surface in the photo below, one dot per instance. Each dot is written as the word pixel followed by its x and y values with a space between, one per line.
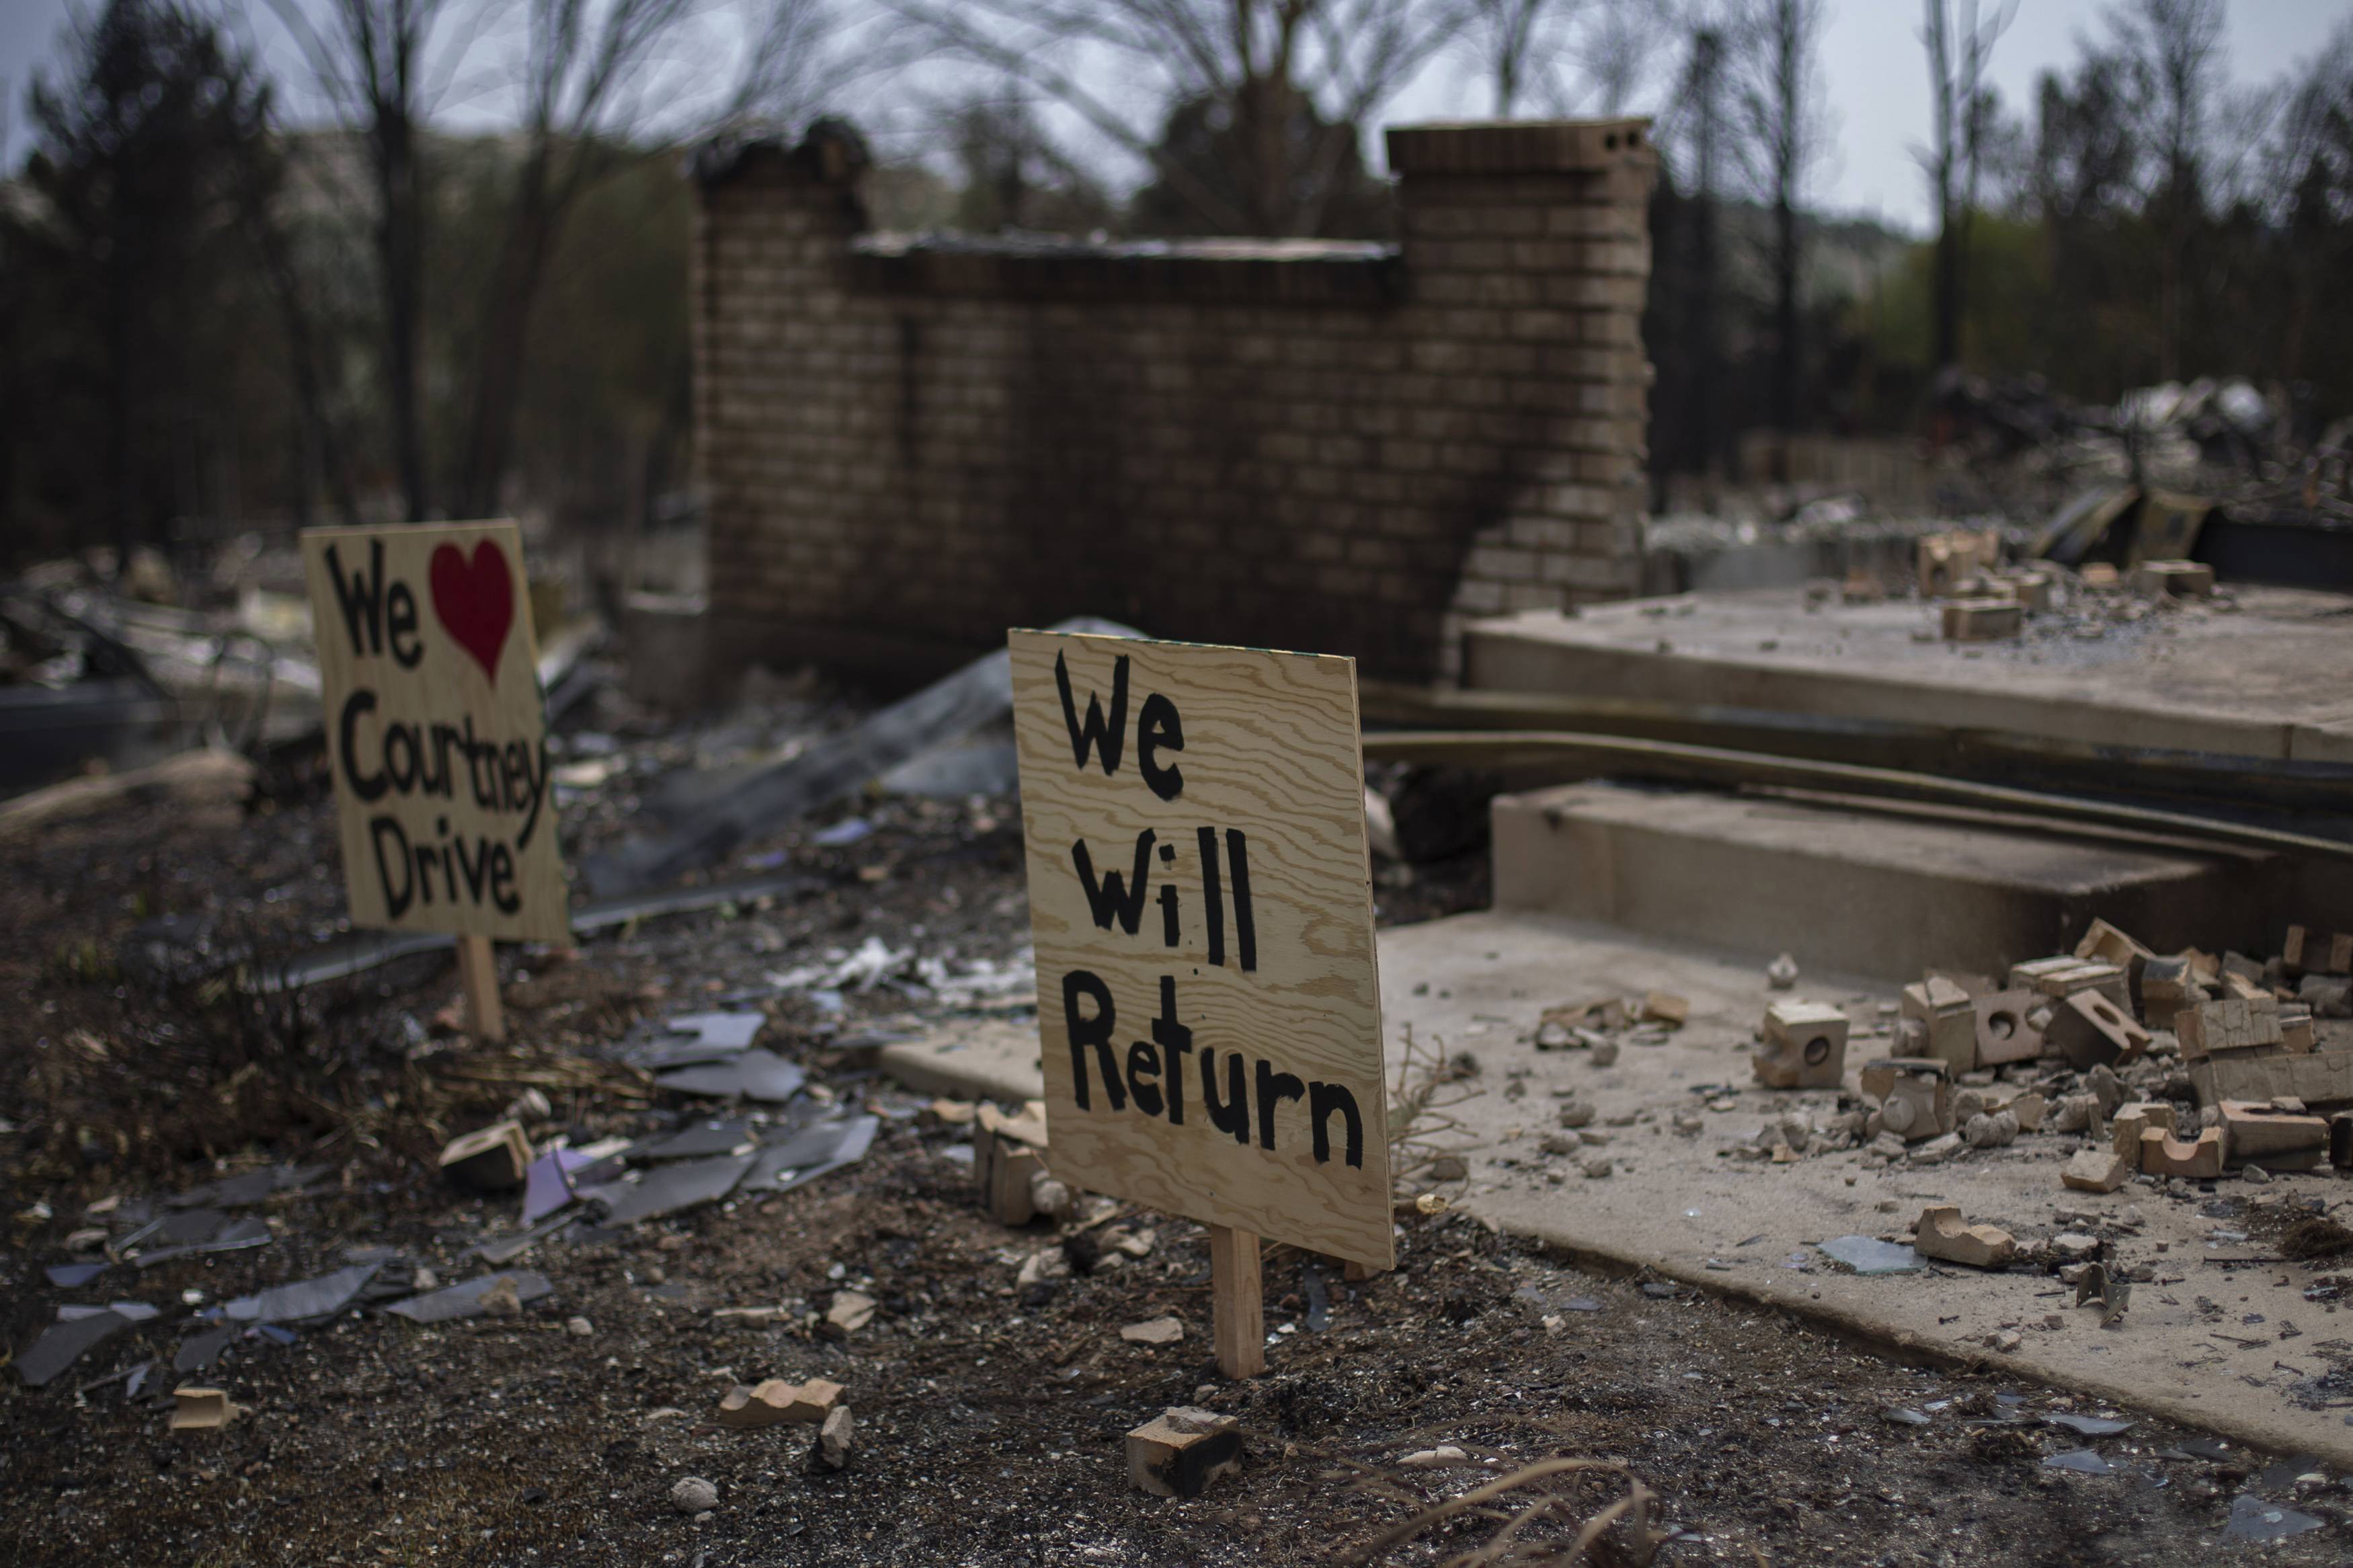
pixel 1201 900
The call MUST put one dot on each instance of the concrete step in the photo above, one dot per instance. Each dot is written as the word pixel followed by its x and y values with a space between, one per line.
pixel 1862 889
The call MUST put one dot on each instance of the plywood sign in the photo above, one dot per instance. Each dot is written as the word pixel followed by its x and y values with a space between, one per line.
pixel 435 730
pixel 1202 904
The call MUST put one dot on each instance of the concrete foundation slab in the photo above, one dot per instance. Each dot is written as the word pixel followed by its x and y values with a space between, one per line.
pixel 2227 1346
pixel 1876 892
pixel 2266 679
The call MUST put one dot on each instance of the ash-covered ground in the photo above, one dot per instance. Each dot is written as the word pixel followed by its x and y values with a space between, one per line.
pixel 144 1058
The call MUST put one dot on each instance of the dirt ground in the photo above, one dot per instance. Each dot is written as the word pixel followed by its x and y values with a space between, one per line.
pixel 988 1412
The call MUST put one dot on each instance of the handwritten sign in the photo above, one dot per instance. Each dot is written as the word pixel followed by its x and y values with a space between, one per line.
pixel 1201 900
pixel 436 729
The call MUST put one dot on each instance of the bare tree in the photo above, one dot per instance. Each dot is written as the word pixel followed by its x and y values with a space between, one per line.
pixel 2313 151
pixel 1512 36
pixel 370 59
pixel 1960 42
pixel 1696 122
pixel 2173 52
pixel 586 79
pixel 1570 56
pixel 258 175
pixel 590 72
pixel 1778 99
pixel 1014 176
pixel 1617 47
pixel 1264 65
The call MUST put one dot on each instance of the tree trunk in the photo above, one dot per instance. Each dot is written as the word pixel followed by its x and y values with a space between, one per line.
pixel 501 342
pixel 1948 291
pixel 316 443
pixel 400 253
pixel 1707 290
pixel 1948 270
pixel 1263 96
pixel 122 485
pixel 1784 320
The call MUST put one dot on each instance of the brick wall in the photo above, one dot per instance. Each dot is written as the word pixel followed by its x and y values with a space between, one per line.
pixel 910 444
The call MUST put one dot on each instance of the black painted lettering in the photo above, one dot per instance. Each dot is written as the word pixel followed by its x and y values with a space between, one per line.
pixel 424 857
pixel 1095 735
pixel 475 869
pixel 1174 1041
pixel 1213 896
pixel 1111 899
pixel 1159 726
pixel 361 598
pixel 395 900
pixel 400 757
pixel 444 737
pixel 1323 1099
pixel 1090 1031
pixel 513 759
pixel 1245 925
pixel 361 703
pixel 502 876
pixel 1143 1077
pixel 400 623
pixel 1230 1112
pixel 1171 933
pixel 1273 1088
pixel 535 782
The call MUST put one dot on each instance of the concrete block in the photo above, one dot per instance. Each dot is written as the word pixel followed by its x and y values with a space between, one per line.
pixel 2061 980
pixel 1942 1234
pixel 1804 1047
pixel 2309 951
pixel 1942 560
pixel 2258 1133
pixel 2131 1121
pixel 1982 619
pixel 2098 1169
pixel 1949 1022
pixel 2090 1031
pixel 2106 945
pixel 2003 1034
pixel 2033 590
pixel 2230 1024
pixel 2168 987
pixel 2181 579
pixel 2323 1078
pixel 2026 975
pixel 1915 1097
pixel 1179 1452
pixel 2162 1155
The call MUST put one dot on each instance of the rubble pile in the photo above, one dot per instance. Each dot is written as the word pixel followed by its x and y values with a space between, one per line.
pixel 571 1191
pixel 1980 598
pixel 2180 1065
pixel 2223 439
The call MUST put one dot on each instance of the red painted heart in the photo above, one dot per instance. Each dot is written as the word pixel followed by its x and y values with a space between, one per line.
pixel 476 601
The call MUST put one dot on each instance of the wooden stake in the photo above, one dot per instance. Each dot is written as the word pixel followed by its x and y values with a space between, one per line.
pixel 478 967
pixel 1237 1302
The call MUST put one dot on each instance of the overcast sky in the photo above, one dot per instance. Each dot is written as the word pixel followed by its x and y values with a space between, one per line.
pixel 1872 64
